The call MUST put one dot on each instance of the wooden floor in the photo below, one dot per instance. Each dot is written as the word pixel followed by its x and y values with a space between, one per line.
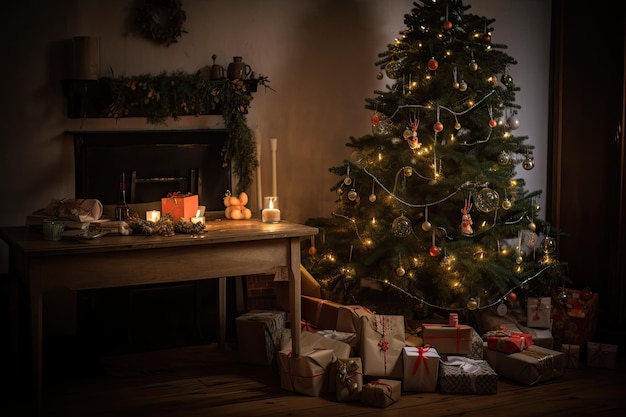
pixel 204 381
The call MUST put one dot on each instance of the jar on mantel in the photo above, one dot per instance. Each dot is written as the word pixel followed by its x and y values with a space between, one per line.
pixel 238 69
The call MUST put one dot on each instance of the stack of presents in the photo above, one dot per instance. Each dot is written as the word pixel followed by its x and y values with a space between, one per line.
pixel 349 353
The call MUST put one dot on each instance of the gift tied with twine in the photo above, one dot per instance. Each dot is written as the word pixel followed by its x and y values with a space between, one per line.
pixel 382 324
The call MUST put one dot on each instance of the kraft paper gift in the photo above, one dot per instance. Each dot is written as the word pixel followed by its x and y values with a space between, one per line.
pixel 531 366
pixel 321 313
pixel 571 355
pixel 348 379
pixel 309 373
pixel 463 375
pixel 348 317
pixel 381 342
pixel 180 206
pixel 601 355
pixel 508 341
pixel 259 335
pixel 457 340
pixel 381 393
pixel 539 312
pixel 421 368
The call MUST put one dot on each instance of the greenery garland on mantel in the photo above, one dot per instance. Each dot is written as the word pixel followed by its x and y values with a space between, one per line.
pixel 176 94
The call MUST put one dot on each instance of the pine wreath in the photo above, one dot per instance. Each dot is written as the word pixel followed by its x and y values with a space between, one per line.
pixel 161 20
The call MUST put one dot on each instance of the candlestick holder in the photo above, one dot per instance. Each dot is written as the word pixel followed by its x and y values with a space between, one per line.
pixel 271 211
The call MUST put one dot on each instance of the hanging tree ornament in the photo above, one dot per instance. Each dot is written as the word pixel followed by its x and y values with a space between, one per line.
pixel 379 75
pixel 462 85
pixel 473 65
pixel 466 219
pixel 400 271
pixel 455 83
pixel 506 203
pixel 504 157
pixel 352 194
pixel 472 304
pixel 447 24
pixel 392 69
pixel 401 226
pixel 411 135
pixel 372 196
pixel 492 122
pixel 529 161
pixel 487 200
pixel 432 64
pixel 513 122
pixel 434 249
pixel 426 224
pixel 384 127
pixel 438 126
pixel 347 180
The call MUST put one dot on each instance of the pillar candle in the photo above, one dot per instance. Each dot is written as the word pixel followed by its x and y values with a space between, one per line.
pixel 273 147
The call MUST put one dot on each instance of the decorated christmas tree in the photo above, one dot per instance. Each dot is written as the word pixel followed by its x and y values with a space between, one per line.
pixel 431 215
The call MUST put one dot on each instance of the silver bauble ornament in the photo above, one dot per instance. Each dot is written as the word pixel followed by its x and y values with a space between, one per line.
pixel 487 200
pixel 513 122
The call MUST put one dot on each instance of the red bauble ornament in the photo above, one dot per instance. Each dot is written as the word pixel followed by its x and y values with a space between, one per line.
pixel 486 38
pixel 493 123
pixel 312 251
pixel 375 120
pixel 438 127
pixel 512 297
pixel 433 64
pixel 447 25
pixel 586 294
pixel 434 251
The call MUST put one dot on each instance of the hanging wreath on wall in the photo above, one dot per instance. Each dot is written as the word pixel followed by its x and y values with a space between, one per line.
pixel 161 20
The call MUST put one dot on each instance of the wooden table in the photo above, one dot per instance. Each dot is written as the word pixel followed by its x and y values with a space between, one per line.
pixel 227 248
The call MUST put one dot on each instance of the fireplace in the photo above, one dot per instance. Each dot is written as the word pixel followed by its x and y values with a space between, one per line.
pixel 155 162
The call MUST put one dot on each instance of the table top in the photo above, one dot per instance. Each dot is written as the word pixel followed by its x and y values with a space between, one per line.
pixel 30 240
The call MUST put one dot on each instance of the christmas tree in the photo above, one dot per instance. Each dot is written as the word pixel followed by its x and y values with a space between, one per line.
pixel 430 214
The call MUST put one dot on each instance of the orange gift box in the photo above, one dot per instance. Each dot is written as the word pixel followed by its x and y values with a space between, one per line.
pixel 180 207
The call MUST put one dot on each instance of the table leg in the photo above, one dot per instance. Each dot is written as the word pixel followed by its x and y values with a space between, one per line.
pixel 221 301
pixel 36 335
pixel 295 292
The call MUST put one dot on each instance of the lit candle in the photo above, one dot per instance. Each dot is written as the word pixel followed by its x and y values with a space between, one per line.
pixel 198 218
pixel 153 215
pixel 270 213
pixel 273 148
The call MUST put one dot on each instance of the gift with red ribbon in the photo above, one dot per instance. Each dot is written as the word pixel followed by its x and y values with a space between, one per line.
pixel 180 206
pixel 421 368
pixel 508 341
pixel 381 341
pixel 449 339
pixel 381 393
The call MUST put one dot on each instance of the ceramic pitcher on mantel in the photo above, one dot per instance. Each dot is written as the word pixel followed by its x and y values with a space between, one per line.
pixel 238 69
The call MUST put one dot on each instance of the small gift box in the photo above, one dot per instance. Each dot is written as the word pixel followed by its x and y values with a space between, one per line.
pixel 348 379
pixel 601 355
pixel 259 333
pixel 463 375
pixel 539 312
pixel 348 317
pixel 319 312
pixel 508 341
pixel 576 321
pixel 449 339
pixel 381 393
pixel 180 206
pixel 381 342
pixel 571 355
pixel 421 368
pixel 531 366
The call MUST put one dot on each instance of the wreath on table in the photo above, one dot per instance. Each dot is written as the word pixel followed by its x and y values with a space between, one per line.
pixel 161 20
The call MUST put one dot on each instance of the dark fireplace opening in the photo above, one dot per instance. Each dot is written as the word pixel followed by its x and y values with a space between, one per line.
pixel 153 164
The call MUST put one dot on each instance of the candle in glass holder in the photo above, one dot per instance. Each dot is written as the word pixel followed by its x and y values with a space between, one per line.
pixel 271 212
pixel 153 215
pixel 198 218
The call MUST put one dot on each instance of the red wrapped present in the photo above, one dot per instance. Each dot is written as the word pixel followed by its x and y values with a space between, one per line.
pixel 508 341
pixel 575 322
pixel 180 206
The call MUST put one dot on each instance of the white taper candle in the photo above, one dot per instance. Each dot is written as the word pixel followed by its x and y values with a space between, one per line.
pixel 273 147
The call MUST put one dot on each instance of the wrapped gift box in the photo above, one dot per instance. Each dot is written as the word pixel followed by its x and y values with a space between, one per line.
pixel 463 375
pixel 380 345
pixel 348 317
pixel 490 321
pixel 421 368
pixel 381 393
pixel 457 340
pixel 508 341
pixel 539 312
pixel 349 338
pixel 259 335
pixel 319 312
pixel 348 379
pixel 571 355
pixel 531 366
pixel 575 323
pixel 601 355
pixel 180 207
pixel 308 374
